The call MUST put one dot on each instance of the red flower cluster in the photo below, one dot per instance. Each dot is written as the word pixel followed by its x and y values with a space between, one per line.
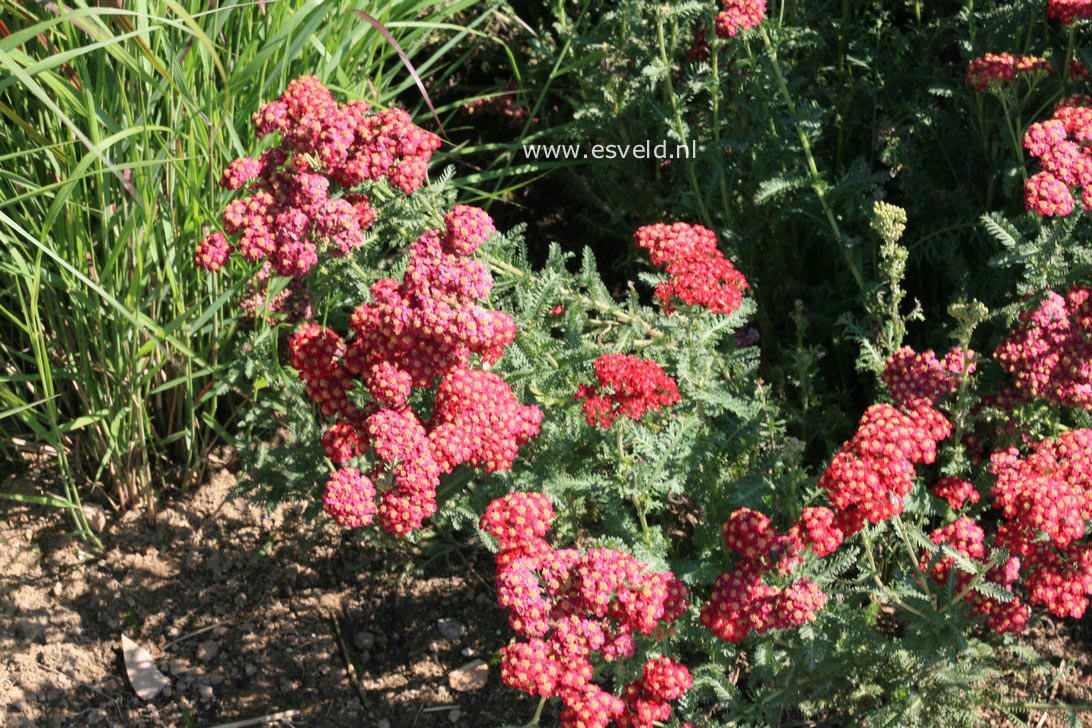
pixel 956 491
pixel 741 602
pixel 699 49
pixel 1060 145
pixel 506 106
pixel 300 200
pixel 698 273
pixel 1069 10
pixel 914 380
pixel 572 608
pixel 1049 353
pixel 874 471
pixel 817 529
pixel 965 537
pixel 739 15
pixel 1049 494
pixel 418 331
pixel 626 386
pixel 1002 68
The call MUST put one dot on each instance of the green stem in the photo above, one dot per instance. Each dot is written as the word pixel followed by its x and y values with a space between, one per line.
pixel 912 555
pixel 716 128
pixel 879 582
pixel 680 126
pixel 813 168
pixel 975 581
pixel 538 711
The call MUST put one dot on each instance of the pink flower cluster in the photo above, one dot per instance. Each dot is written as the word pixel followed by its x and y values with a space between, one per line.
pixel 874 471
pixel 1046 501
pixel 698 273
pixel 741 602
pixel 1060 145
pixel 574 609
pixel 420 330
pixel 626 386
pixel 1049 353
pixel 1002 68
pixel 1069 10
pixel 739 15
pixel 300 201
pixel 914 380
pixel 965 537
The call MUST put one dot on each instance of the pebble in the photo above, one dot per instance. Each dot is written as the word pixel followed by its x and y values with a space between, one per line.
pixel 364 640
pixel 471 676
pixel 177 667
pixel 454 715
pixel 207 650
pixel 384 723
pixel 204 692
pixel 451 629
pixel 468 652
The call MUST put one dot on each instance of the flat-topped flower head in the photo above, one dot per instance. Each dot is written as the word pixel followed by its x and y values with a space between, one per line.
pixel 626 386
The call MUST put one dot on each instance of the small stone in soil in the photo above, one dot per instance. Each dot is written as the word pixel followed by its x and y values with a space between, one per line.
pixel 454 715
pixel 471 676
pixel 207 650
pixel 364 640
pixel 204 692
pixel 451 629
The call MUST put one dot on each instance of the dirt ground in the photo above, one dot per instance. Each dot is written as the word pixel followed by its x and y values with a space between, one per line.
pixel 248 613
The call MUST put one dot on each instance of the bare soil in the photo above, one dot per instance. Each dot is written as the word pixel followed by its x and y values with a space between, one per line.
pixel 248 613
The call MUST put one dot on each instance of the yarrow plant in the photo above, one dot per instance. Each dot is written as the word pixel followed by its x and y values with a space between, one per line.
pixel 427 332
pixel 721 569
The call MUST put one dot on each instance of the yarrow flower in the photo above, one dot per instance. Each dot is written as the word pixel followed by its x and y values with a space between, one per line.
pixel 741 602
pixel 1060 145
pixel 698 273
pixel 1049 492
pixel 915 379
pixel 350 498
pixel 739 15
pixel 1002 68
pixel 573 610
pixel 626 385
pixel 1049 353
pixel 300 200
pixel 874 471
pixel 956 491
pixel 507 106
pixel 1069 10
pixel 699 49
